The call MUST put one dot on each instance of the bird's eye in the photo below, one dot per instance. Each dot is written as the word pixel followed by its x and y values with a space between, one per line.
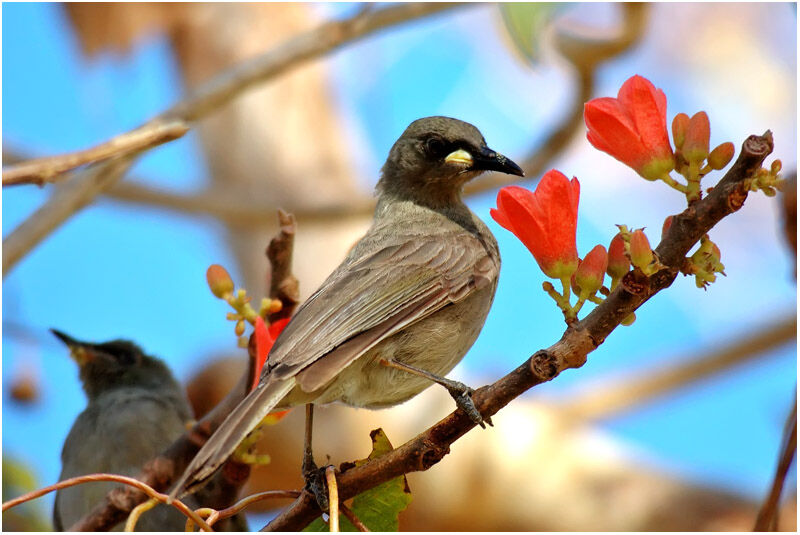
pixel 435 147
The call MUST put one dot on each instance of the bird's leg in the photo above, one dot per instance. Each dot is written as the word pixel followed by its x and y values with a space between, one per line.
pixel 460 392
pixel 313 475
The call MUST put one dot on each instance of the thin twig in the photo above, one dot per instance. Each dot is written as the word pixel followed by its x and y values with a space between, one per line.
pixel 333 499
pixel 42 170
pixel 581 338
pixel 253 498
pixel 351 516
pixel 622 393
pixel 208 97
pixel 767 519
pixel 133 518
pixel 144 487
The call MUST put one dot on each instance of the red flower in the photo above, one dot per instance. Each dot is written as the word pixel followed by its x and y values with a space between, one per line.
pixel 632 127
pixel 544 220
pixel 265 338
pixel 591 271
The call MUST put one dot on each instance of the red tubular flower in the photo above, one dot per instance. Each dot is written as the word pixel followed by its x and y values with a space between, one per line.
pixel 544 220
pixel 633 127
pixel 265 338
pixel 618 263
pixel 695 147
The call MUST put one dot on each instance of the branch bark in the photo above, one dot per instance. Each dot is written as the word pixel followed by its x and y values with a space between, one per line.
pixel 767 519
pixel 49 169
pixel 212 95
pixel 570 351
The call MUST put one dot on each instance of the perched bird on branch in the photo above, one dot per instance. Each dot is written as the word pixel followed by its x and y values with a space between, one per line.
pixel 400 311
pixel 136 409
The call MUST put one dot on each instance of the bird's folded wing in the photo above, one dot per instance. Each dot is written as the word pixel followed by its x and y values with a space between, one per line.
pixel 399 284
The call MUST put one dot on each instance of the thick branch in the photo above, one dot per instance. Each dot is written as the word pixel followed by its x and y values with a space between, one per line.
pixel 571 351
pixel 51 168
pixel 160 472
pixel 207 98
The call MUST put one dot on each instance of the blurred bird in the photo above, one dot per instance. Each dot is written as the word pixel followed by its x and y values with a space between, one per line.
pixel 136 410
pixel 400 311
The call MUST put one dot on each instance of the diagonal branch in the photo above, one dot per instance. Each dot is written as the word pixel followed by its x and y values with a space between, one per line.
pixel 51 168
pixel 767 519
pixel 429 447
pixel 207 98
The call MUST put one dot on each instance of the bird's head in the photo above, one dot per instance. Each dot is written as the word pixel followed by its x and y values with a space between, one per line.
pixel 116 364
pixel 435 157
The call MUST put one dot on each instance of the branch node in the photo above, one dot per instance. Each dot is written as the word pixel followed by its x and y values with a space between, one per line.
pixel 544 365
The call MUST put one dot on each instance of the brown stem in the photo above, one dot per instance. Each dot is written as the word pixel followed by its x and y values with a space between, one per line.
pixel 767 519
pixel 429 447
pixel 49 169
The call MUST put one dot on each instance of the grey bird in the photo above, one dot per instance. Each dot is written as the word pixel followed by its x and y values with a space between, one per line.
pixel 403 307
pixel 135 410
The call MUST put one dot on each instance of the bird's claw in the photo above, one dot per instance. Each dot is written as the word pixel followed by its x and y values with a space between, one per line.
pixel 462 395
pixel 316 484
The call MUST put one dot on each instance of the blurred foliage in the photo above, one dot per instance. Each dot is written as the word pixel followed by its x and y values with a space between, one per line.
pixel 524 23
pixel 18 479
pixel 379 507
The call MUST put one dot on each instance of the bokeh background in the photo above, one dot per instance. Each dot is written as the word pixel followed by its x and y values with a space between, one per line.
pixel 698 455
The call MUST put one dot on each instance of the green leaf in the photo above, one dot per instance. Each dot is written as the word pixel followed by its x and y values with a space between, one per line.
pixel 378 508
pixel 524 22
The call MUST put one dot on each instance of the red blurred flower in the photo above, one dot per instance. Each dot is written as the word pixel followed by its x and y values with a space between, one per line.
pixel 633 127
pixel 265 338
pixel 544 220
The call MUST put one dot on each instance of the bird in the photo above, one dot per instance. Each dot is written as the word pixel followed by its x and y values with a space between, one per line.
pixel 400 311
pixel 135 410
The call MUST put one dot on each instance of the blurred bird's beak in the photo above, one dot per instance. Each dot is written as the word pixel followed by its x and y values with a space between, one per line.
pixel 79 351
pixel 489 160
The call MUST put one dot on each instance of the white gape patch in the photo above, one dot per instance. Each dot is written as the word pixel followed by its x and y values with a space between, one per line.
pixel 459 156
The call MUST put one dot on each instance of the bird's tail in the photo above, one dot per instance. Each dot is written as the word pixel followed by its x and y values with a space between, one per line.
pixel 242 419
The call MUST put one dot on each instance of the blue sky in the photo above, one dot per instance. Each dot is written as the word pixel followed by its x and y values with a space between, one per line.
pixel 118 270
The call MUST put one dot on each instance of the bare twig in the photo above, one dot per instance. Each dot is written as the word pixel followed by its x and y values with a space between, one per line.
pixel 42 170
pixel 283 284
pixel 627 392
pixel 351 516
pixel 133 518
pixel 245 502
pixel 767 519
pixel 142 486
pixel 333 499
pixel 583 337
pixel 207 98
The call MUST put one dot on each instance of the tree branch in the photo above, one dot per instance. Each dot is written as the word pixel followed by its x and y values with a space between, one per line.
pixel 767 519
pixel 429 447
pixel 160 472
pixel 207 98
pixel 51 168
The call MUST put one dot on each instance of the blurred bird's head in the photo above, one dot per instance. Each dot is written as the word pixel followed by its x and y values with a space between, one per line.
pixel 435 157
pixel 116 364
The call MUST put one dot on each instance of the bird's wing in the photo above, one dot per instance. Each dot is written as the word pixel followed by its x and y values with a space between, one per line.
pixel 368 300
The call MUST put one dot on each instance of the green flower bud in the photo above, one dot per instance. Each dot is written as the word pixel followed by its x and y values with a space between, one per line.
pixel 618 262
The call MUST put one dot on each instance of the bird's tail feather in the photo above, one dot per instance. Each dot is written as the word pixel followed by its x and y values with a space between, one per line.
pixel 242 419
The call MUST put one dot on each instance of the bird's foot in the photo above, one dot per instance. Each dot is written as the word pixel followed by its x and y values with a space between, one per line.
pixel 316 483
pixel 462 395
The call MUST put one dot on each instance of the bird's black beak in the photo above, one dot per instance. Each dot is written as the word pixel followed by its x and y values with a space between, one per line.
pixel 80 351
pixel 489 160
